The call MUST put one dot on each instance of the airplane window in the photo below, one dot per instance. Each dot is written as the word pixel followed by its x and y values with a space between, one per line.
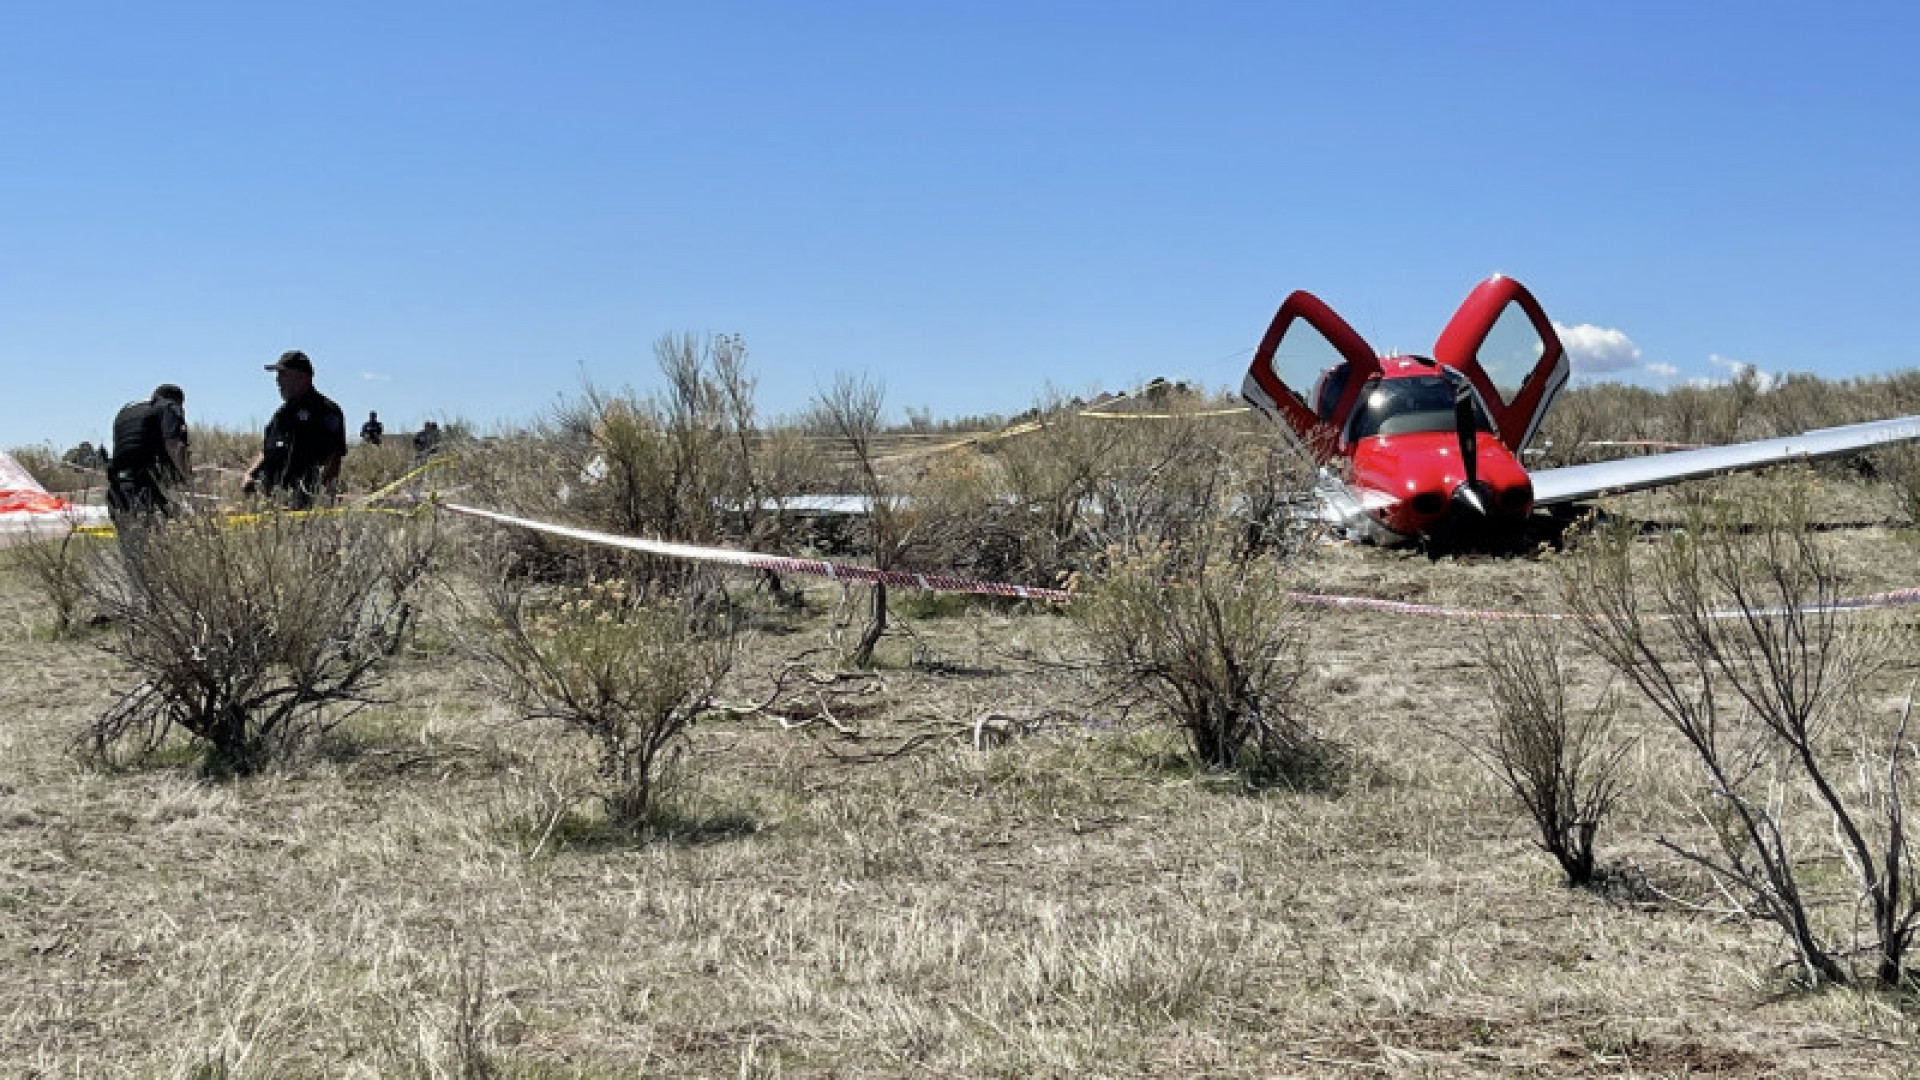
pixel 1303 356
pixel 1406 406
pixel 1510 352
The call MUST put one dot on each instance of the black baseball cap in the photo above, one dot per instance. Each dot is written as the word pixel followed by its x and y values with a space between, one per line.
pixel 170 392
pixel 292 360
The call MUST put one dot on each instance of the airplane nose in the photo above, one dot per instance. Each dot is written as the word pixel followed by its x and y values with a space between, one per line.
pixel 1471 500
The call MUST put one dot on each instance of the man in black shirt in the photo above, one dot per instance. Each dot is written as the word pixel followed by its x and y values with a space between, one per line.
pixel 150 457
pixel 299 460
pixel 426 441
pixel 372 430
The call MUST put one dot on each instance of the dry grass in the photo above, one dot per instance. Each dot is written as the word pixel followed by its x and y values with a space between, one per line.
pixel 873 896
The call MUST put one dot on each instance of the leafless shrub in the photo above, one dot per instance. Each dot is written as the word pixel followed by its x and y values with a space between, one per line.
pixel 1268 500
pixel 899 524
pixel 1899 466
pixel 1159 483
pixel 607 659
pixel 1562 766
pixel 1802 403
pixel 1044 482
pixel 59 566
pixel 1728 630
pixel 244 632
pixel 532 470
pixel 666 465
pixel 690 463
pixel 1583 416
pixel 1710 414
pixel 1214 642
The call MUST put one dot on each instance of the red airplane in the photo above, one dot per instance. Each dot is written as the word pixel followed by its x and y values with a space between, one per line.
pixel 1416 447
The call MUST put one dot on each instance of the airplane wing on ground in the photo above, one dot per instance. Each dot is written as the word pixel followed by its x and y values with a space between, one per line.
pixel 823 505
pixel 28 512
pixel 1577 482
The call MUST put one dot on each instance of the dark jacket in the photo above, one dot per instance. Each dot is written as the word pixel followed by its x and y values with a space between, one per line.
pixel 141 432
pixel 139 471
pixel 304 434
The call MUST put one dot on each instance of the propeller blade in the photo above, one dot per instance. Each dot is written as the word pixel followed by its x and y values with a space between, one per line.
pixel 1464 417
pixel 1463 424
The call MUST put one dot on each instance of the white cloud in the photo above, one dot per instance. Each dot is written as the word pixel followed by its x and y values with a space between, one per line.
pixel 1662 371
pixel 1740 369
pixel 375 376
pixel 1597 350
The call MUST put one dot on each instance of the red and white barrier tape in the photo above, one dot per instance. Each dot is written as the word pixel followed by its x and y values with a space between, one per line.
pixel 780 564
pixel 1869 602
pixel 951 583
pixel 1406 607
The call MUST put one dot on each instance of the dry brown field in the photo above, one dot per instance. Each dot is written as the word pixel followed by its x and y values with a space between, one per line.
pixel 858 885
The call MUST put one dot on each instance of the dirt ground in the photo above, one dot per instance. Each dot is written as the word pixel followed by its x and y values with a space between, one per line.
pixel 965 864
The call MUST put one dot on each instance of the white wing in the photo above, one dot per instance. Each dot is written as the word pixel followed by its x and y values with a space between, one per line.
pixel 1576 482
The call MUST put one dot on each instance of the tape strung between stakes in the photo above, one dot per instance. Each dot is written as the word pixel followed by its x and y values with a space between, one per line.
pixel 1869 602
pixel 236 518
pixel 777 563
pixel 952 583
pixel 358 506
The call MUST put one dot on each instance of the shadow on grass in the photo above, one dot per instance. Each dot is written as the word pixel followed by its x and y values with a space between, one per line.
pixel 177 753
pixel 1643 889
pixel 592 832
pixel 951 669
pixel 1314 766
pixel 382 746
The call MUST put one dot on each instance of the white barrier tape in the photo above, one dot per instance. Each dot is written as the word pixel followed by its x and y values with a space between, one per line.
pixel 950 583
pixel 1407 607
pixel 1869 602
pixel 777 563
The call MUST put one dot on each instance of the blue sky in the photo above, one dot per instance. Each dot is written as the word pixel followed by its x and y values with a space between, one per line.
pixel 462 211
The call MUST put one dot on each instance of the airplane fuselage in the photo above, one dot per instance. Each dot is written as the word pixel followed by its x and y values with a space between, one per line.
pixel 1425 447
pixel 1414 485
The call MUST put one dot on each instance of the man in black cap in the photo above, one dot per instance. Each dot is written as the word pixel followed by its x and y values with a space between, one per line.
pixel 299 460
pixel 151 456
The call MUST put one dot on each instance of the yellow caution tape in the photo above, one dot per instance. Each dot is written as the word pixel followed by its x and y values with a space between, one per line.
pixel 1162 416
pixel 253 517
pixel 388 489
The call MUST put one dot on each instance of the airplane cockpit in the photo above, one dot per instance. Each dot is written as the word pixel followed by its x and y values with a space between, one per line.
pixel 1410 404
pixel 1326 393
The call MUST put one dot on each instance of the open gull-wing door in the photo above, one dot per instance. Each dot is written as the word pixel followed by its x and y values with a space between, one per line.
pixel 1503 342
pixel 1308 372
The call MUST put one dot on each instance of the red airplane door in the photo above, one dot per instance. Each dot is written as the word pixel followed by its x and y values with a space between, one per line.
pixel 1308 372
pixel 1503 342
